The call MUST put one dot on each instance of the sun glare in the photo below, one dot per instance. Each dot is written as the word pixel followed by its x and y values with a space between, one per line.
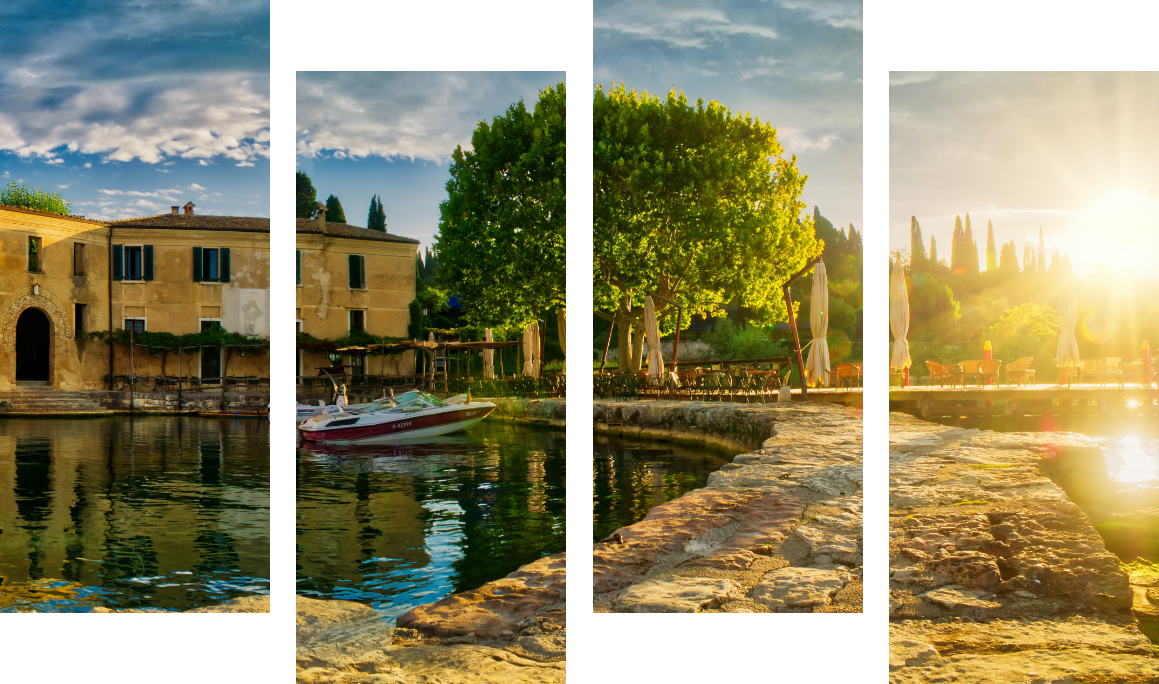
pixel 1118 230
pixel 1137 465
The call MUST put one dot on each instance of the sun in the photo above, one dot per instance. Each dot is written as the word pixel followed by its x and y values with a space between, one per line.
pixel 1119 230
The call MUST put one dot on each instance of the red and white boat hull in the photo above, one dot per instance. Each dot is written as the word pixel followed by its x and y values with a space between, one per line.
pixel 368 428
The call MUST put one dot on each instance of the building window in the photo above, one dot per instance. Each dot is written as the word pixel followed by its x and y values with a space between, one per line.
pixel 35 261
pixel 78 259
pixel 357 321
pixel 78 320
pixel 133 265
pixel 211 264
pixel 135 324
pixel 357 272
pixel 299 267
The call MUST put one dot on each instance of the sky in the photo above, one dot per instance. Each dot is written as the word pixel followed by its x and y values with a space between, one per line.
pixel 128 107
pixel 794 64
pixel 1072 153
pixel 392 134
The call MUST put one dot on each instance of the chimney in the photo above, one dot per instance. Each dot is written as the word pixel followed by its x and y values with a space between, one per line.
pixel 322 216
pixel 173 210
pixel 189 208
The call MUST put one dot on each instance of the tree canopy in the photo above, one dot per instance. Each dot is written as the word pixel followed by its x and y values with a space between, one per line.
pixel 307 197
pixel 501 242
pixel 696 204
pixel 19 195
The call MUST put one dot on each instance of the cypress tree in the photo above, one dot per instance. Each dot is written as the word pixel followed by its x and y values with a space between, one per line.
pixel 991 256
pixel 971 248
pixel 933 251
pixel 334 213
pixel 1009 261
pixel 958 248
pixel 376 217
pixel 918 261
pixel 854 241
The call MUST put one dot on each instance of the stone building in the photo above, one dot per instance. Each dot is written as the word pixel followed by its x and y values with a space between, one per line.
pixel 349 279
pixel 62 276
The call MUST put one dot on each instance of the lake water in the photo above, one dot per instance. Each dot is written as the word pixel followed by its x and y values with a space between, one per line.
pixel 399 526
pixel 633 476
pixel 160 513
pixel 1130 444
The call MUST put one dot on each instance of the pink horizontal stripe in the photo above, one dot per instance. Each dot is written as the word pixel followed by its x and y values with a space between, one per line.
pixel 836 621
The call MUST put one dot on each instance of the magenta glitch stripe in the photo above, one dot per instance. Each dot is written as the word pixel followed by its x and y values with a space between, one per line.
pixel 758 621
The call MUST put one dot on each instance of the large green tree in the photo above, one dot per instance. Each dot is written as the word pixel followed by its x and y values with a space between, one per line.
pixel 334 213
pixel 307 197
pixel 501 245
pixel 696 204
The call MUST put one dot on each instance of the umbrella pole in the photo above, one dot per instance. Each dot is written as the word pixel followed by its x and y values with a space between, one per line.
pixel 796 343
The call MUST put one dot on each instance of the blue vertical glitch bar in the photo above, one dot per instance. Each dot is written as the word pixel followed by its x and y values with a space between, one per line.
pixel 577 509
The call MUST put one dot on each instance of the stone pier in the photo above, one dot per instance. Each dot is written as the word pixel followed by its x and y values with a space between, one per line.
pixel 777 530
pixel 995 574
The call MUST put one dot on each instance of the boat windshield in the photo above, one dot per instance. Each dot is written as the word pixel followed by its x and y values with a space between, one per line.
pixel 416 401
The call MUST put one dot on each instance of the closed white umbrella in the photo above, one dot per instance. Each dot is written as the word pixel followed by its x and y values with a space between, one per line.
pixel 561 321
pixel 528 352
pixel 1067 355
pixel 817 367
pixel 652 331
pixel 488 357
pixel 536 349
pixel 899 318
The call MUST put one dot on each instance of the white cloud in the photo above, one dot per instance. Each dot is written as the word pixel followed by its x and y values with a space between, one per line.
pixel 195 186
pixel 62 187
pixel 835 14
pixel 899 78
pixel 679 25
pixel 411 115
pixel 155 118
pixel 88 165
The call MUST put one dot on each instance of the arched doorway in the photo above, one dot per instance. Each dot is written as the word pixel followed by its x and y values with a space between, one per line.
pixel 33 341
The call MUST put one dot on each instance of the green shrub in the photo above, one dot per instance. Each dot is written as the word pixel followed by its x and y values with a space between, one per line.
pixel 20 195
pixel 730 341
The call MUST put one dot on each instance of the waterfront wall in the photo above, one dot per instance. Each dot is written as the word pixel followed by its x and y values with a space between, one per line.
pixel 777 530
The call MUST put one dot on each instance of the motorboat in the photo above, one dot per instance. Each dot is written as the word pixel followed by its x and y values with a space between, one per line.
pixel 410 415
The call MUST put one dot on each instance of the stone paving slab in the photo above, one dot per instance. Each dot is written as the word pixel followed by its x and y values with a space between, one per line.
pixel 995 574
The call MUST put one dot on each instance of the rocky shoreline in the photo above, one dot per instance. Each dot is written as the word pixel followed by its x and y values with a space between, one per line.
pixel 777 530
pixel 995 573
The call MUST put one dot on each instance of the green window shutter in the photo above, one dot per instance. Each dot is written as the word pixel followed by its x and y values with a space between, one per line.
pixel 352 260
pixel 299 253
pixel 224 265
pixel 362 272
pixel 147 257
pixel 118 262
pixel 197 265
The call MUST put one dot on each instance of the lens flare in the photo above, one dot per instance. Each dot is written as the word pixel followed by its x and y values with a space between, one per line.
pixel 1098 327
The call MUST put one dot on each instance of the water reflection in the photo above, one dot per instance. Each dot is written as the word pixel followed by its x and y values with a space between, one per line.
pixel 1130 444
pixel 162 513
pixel 401 525
pixel 633 476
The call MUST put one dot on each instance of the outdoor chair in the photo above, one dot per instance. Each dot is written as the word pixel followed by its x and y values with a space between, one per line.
pixel 988 371
pixel 1113 369
pixel 848 373
pixel 971 368
pixel 1020 371
pixel 1092 368
pixel 939 373
pixel 716 381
